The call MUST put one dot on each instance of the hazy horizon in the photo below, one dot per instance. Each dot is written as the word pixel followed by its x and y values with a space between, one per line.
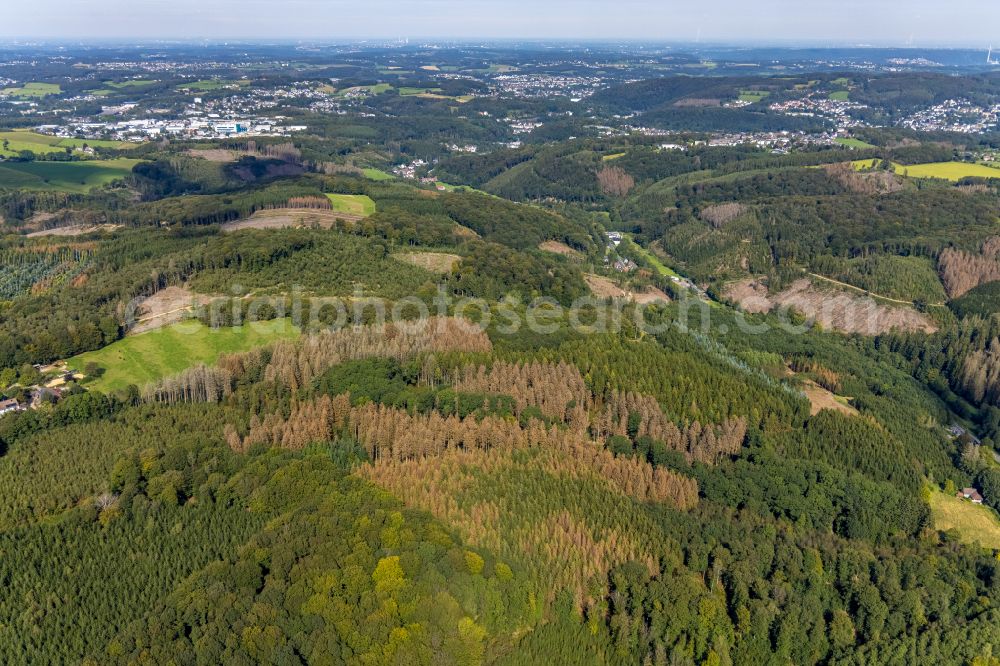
pixel 919 23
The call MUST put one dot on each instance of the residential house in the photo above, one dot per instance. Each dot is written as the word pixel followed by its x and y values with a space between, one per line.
pixel 9 406
pixel 970 494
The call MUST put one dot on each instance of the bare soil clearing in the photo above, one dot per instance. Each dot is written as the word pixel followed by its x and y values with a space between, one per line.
pixel 73 230
pixel 603 287
pixel 167 306
pixel 559 248
pixel 281 218
pixel 830 308
pixel 435 262
pixel 213 154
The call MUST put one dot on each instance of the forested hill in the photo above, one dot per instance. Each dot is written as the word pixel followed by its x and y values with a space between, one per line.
pixel 495 356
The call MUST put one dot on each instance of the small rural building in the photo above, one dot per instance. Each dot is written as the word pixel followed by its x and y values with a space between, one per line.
pixel 970 494
pixel 8 406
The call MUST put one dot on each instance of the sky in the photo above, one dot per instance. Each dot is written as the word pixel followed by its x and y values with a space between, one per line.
pixel 974 23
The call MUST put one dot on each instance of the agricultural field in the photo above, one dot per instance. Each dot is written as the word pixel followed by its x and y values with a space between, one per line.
pixel 853 143
pixel 74 177
pixel 376 89
pixel 409 91
pixel 146 357
pixel 753 95
pixel 33 90
pixel 953 171
pixel 973 522
pixel 42 144
pixel 377 174
pixel 111 87
pixel 352 204
pixel 840 95
pixel 209 85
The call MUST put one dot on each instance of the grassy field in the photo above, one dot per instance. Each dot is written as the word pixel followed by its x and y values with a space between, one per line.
pixel 76 177
pixel 753 95
pixel 840 95
pixel 112 87
pixel 953 171
pixel 42 144
pixel 842 81
pixel 974 523
pixel 376 89
pixel 132 83
pixel 613 156
pixel 33 90
pixel 208 85
pixel 854 143
pixel 354 204
pixel 150 356
pixel 653 260
pixel 377 174
pixel 406 90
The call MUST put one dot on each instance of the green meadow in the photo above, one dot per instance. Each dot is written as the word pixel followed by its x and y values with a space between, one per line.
pixel 953 171
pixel 74 177
pixel 753 95
pixel 352 204
pixel 376 89
pixel 840 95
pixel 112 87
pixel 33 90
pixel 377 174
pixel 43 144
pixel 208 85
pixel 854 143
pixel 147 357
pixel 974 523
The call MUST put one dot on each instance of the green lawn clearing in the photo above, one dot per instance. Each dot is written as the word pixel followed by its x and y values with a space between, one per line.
pixel 974 523
pixel 840 95
pixel 43 144
pixel 353 204
pixel 76 177
pixel 33 90
pixel 753 95
pixel 376 89
pixel 377 174
pixel 208 85
pixel 854 143
pixel 953 171
pixel 147 357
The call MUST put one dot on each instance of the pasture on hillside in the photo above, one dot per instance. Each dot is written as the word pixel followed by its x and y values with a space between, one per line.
pixel 74 177
pixel 853 143
pixel 147 357
pixel 209 85
pixel 13 142
pixel 953 171
pixel 974 523
pixel 377 174
pixel 33 90
pixel 352 204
